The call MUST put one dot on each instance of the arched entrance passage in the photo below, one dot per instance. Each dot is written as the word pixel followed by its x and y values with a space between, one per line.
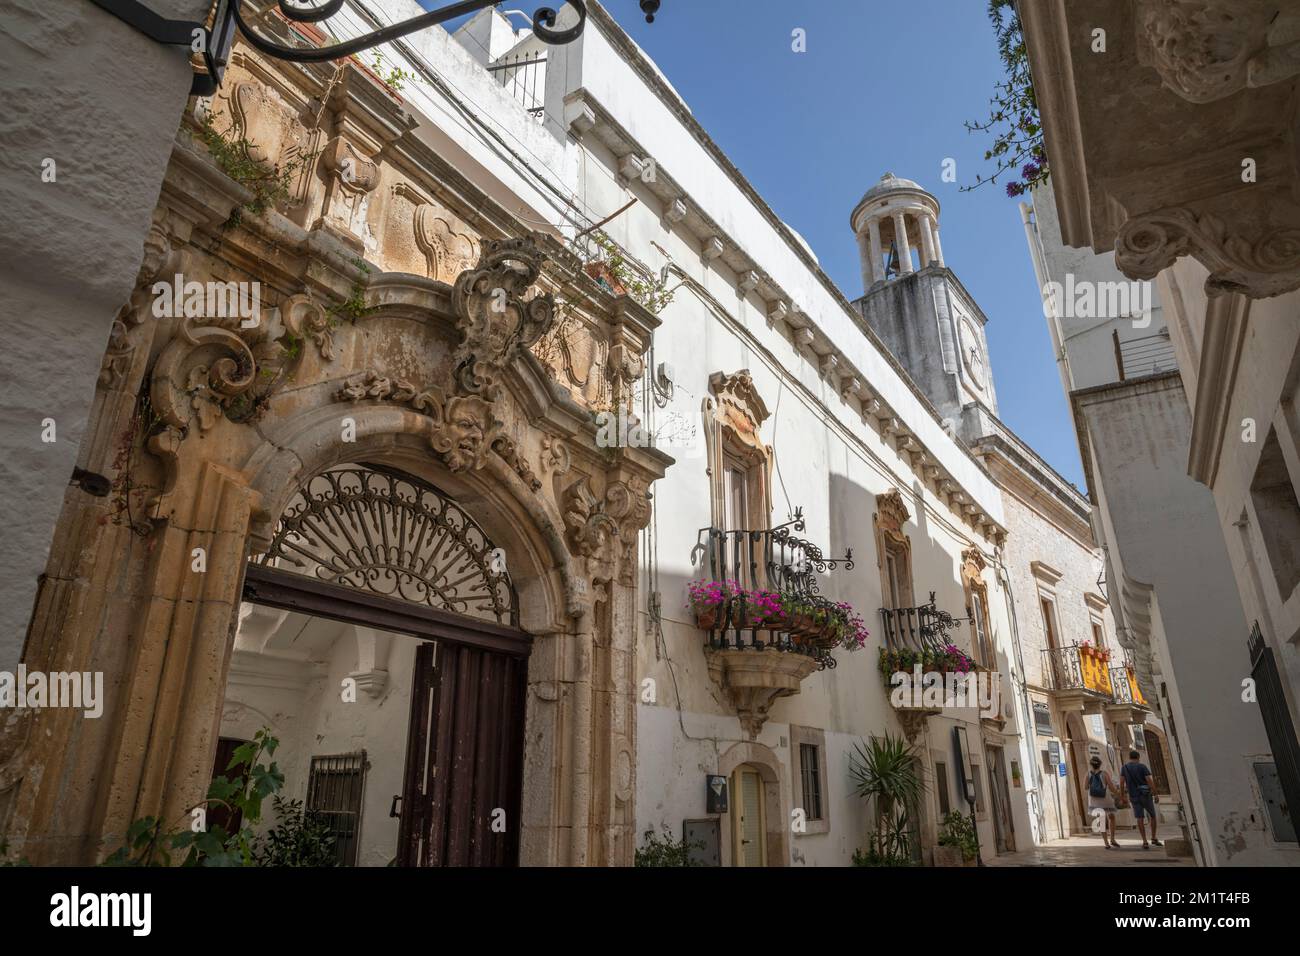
pixel 388 554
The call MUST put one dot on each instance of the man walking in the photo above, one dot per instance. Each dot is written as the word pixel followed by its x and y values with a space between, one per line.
pixel 1141 793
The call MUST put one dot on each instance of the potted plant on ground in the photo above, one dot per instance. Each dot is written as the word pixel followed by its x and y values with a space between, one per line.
pixel 885 773
pixel 958 842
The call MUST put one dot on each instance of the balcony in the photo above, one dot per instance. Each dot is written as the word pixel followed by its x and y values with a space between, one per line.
pixel 1084 674
pixel 1074 670
pixel 922 628
pixel 768 625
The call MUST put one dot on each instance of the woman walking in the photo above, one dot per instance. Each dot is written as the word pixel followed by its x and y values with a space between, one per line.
pixel 1101 800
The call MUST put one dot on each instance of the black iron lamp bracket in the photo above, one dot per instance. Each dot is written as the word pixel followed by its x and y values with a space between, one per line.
pixel 215 44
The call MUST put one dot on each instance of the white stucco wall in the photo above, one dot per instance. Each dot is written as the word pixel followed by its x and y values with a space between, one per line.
pixel 84 89
pixel 1164 531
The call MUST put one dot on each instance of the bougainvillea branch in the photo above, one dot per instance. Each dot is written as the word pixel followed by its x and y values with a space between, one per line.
pixel 1018 150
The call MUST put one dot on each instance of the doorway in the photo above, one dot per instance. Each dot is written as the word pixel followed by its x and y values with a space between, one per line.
pixel 1004 828
pixel 387 611
pixel 748 818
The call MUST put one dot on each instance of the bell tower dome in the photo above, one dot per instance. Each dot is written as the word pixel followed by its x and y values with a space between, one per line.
pixel 895 217
pixel 916 304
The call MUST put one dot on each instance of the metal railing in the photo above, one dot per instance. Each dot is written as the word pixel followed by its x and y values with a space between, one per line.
pixel 525 76
pixel 771 559
pixel 923 628
pixel 1145 355
pixel 1121 688
pixel 1063 670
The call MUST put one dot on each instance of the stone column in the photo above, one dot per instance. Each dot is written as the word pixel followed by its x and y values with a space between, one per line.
pixel 868 264
pixel 927 240
pixel 877 254
pixel 938 248
pixel 900 241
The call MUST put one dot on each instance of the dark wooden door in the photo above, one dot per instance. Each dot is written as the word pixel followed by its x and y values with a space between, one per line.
pixel 464 758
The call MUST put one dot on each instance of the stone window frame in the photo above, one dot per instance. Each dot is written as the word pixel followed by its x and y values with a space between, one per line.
pixel 1097 617
pixel 972 580
pixel 734 413
pixel 887 527
pixel 816 737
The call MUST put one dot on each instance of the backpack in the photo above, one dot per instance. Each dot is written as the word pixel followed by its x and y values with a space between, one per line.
pixel 1096 785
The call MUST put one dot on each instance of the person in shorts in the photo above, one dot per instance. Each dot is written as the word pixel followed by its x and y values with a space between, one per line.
pixel 1141 793
pixel 1101 797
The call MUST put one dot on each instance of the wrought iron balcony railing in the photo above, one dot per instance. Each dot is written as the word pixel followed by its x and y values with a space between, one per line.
pixel 770 560
pixel 1072 668
pixel 1124 686
pixel 923 628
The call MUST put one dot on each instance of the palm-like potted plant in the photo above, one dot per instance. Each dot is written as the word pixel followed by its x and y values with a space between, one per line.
pixel 885 773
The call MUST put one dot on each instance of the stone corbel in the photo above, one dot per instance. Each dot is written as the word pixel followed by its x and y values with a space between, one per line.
pixel 754 680
pixel 352 177
pixel 373 649
pixel 1259 267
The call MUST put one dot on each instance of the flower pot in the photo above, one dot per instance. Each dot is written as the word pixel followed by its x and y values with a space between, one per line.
pixel 706 618
pixel 948 856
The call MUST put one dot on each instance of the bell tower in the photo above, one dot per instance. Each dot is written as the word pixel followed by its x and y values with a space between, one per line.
pixel 916 304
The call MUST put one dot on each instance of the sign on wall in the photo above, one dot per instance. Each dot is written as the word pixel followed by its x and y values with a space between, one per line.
pixel 1043 719
pixel 715 793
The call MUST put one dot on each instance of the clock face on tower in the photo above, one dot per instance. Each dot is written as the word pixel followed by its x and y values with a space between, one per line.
pixel 972 353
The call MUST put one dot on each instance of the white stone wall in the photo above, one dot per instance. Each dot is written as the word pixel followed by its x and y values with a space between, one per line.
pixel 1265 395
pixel 84 89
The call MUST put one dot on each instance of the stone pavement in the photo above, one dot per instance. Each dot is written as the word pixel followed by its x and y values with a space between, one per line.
pixel 1088 851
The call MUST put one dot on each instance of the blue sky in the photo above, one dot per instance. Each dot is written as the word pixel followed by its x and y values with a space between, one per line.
pixel 883 86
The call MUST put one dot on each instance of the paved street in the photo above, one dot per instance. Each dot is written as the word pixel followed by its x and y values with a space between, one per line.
pixel 1088 851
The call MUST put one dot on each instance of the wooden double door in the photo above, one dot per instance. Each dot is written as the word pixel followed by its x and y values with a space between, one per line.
pixel 464 756
pixel 460 803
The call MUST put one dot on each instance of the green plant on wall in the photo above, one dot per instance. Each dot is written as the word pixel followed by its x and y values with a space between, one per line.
pixel 354 306
pixel 395 78
pixel 651 293
pixel 233 154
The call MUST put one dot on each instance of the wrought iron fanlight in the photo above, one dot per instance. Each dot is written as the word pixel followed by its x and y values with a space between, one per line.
pixel 215 44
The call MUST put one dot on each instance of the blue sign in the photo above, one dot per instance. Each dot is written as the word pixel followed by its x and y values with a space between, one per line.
pixel 1060 769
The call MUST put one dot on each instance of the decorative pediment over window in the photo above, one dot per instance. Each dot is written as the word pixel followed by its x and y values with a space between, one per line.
pixel 972 566
pixel 739 406
pixel 892 514
pixel 739 463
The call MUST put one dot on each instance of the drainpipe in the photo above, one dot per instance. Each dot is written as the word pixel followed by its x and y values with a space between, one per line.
pixel 1050 309
pixel 1026 708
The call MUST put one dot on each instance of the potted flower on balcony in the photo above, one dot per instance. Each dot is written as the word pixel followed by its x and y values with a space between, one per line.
pixel 954 659
pixel 765 608
pixel 708 599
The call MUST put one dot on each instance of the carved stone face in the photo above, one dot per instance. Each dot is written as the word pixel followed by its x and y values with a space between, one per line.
pixel 465 432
